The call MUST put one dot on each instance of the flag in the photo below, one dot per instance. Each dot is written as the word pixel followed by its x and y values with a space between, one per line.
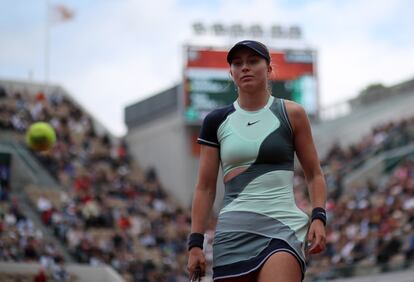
pixel 59 13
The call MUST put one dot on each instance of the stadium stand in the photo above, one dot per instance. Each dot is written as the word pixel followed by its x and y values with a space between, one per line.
pixel 393 104
pixel 370 221
pixel 371 229
pixel 107 211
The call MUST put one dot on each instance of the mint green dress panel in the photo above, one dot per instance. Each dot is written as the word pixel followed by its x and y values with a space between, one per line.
pixel 258 203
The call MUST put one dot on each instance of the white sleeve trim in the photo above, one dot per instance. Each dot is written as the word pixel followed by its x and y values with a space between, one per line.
pixel 208 142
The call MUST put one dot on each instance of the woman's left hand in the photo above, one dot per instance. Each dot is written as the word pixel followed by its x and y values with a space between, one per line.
pixel 317 237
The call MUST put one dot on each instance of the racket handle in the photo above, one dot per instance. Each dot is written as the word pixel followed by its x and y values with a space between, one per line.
pixel 196 277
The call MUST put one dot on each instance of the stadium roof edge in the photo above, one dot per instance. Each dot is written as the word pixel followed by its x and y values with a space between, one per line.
pixel 153 107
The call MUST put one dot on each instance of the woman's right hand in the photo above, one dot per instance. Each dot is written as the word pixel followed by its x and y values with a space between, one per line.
pixel 196 261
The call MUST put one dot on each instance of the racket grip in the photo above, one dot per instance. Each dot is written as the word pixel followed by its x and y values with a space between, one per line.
pixel 196 277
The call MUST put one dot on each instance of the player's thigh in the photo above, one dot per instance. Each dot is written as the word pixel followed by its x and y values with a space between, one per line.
pixel 280 267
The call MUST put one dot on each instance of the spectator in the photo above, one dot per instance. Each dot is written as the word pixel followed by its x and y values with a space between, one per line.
pixel 40 276
pixel 111 212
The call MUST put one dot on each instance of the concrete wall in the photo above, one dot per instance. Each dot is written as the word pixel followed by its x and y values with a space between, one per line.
pixel 25 169
pixel 349 129
pixel 20 175
pixel 94 274
pixel 83 273
pixel 165 144
pixel 402 276
pixel 375 167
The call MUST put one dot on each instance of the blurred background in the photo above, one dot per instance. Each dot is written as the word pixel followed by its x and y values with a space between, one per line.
pixel 126 84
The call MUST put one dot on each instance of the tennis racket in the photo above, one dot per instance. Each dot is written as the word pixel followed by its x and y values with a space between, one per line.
pixel 306 246
pixel 196 277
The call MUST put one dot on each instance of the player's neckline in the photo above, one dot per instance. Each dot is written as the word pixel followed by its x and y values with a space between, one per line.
pixel 269 102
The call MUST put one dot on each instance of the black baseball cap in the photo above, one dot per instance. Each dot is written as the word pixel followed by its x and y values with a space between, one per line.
pixel 256 46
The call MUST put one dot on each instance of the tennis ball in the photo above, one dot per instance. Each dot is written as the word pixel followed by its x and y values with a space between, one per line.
pixel 40 136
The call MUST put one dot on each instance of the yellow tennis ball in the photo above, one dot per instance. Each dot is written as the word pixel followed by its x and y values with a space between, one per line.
pixel 40 136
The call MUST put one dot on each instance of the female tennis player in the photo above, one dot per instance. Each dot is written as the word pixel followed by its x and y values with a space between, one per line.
pixel 261 235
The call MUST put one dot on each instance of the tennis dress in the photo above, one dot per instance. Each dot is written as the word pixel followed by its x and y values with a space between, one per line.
pixel 259 215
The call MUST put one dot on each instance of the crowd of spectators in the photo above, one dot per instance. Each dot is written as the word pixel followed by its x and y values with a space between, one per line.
pixel 22 241
pixel 342 160
pixel 371 224
pixel 110 212
pixel 372 227
pixel 4 178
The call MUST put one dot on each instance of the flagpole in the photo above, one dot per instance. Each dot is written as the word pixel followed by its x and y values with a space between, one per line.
pixel 47 45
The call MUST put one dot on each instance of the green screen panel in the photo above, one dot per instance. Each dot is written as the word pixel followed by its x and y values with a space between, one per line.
pixel 206 92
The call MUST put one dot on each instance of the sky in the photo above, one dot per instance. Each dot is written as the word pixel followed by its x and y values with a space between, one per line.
pixel 114 53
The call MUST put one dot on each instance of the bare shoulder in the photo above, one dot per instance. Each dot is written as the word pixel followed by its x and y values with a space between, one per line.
pixel 296 113
pixel 293 107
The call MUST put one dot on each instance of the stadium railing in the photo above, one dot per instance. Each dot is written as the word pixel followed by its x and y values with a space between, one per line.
pixel 376 166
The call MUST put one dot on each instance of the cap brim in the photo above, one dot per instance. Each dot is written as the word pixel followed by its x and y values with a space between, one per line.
pixel 236 47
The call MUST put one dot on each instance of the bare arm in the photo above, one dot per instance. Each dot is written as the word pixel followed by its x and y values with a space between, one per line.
pixel 203 200
pixel 308 157
pixel 205 191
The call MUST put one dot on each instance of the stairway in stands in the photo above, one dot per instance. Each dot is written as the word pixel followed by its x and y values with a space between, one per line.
pixel 27 171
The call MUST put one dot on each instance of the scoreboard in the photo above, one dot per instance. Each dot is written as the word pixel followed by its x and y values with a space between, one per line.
pixel 207 84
